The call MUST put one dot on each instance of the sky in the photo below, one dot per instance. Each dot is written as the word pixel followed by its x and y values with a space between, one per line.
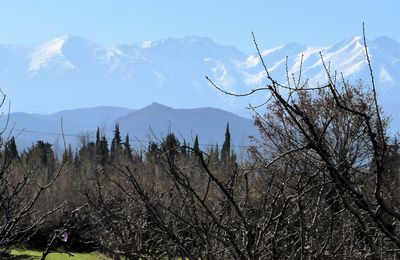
pixel 106 22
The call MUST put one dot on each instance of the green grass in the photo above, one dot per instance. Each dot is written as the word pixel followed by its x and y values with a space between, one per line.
pixel 21 254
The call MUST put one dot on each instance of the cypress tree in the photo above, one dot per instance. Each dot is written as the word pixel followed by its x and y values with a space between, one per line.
pixel 196 147
pixel 98 137
pixel 216 153
pixel 226 147
pixel 196 150
pixel 127 148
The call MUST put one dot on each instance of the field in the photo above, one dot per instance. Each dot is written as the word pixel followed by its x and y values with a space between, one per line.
pixel 30 254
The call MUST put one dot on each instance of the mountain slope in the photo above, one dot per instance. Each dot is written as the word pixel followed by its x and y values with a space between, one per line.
pixel 156 120
pixel 153 121
pixel 346 57
pixel 32 127
pixel 69 72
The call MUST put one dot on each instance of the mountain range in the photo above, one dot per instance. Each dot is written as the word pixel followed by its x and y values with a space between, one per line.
pixel 71 72
pixel 150 123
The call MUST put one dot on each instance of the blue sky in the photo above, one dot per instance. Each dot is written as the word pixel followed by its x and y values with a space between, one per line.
pixel 227 22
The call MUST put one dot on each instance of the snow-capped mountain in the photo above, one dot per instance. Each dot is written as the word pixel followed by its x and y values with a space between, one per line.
pixel 346 57
pixel 70 72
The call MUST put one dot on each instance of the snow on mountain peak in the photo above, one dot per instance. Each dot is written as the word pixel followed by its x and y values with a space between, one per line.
pixel 356 38
pixel 54 45
pixel 48 51
pixel 146 44
pixel 172 71
pixel 253 60
pixel 347 57
pixel 61 54
pixel 385 77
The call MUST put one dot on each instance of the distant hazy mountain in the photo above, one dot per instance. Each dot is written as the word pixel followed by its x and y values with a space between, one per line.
pixel 209 124
pixel 70 72
pixel 151 122
pixel 32 127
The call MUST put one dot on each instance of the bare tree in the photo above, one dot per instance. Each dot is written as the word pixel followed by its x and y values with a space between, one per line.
pixel 319 184
pixel 337 130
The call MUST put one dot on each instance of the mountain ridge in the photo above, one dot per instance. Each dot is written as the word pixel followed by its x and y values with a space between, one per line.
pixel 71 71
pixel 151 122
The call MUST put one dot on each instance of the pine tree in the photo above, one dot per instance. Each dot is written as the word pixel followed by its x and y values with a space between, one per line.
pixel 117 135
pixel 116 143
pixel 226 147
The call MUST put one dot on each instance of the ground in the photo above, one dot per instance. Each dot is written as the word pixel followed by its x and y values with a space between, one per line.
pixel 28 254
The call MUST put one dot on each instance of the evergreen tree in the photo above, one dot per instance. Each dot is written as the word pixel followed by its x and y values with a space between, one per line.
pixel 226 147
pixel 42 154
pixel 196 150
pixel 98 137
pixel 216 153
pixel 11 151
pixel 117 135
pixel 102 151
pixel 127 148
pixel 152 152
pixel 116 143
pixel 233 156
pixel 196 147
pixel 91 150
pixel 170 145
pixel 112 149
